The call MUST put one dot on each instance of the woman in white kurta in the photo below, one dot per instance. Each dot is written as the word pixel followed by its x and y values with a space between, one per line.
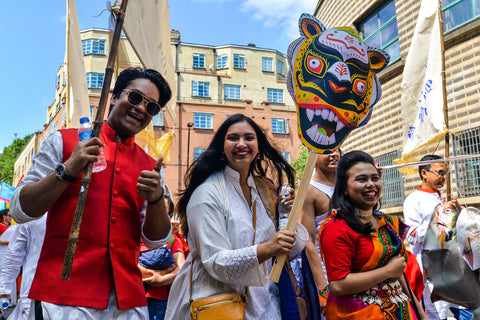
pixel 216 211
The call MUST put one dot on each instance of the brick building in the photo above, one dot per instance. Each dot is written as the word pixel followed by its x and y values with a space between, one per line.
pixel 389 25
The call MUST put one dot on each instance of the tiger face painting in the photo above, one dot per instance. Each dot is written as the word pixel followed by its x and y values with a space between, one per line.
pixel 332 79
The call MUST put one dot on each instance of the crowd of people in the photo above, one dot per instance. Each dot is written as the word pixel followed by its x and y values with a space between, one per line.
pixel 222 235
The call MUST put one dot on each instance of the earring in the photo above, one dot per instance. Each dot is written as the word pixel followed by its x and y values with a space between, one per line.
pixel 258 157
pixel 223 156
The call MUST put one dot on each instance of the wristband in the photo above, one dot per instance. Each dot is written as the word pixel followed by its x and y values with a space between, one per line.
pixel 155 201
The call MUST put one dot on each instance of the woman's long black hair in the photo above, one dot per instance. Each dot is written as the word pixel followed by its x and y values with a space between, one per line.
pixel 212 160
pixel 340 200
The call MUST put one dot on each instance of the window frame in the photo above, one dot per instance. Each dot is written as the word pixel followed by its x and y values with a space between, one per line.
pixel 379 29
pixel 453 4
pixel 200 89
pixel 200 57
pixel 222 61
pixel 93 46
pixel 197 152
pixel 95 78
pixel 202 120
pixel 280 125
pixel 272 94
pixel 238 61
pixel 158 120
pixel 280 70
pixel 236 95
pixel 267 64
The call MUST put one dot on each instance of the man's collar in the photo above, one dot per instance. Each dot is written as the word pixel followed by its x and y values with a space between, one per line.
pixel 427 190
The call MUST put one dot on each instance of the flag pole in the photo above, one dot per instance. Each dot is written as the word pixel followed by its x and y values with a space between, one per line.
pixel 444 92
pixel 67 69
pixel 97 126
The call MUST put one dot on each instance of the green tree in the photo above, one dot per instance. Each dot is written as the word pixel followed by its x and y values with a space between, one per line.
pixel 299 163
pixel 9 156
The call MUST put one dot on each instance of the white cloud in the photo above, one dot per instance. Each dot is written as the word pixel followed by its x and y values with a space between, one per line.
pixel 280 14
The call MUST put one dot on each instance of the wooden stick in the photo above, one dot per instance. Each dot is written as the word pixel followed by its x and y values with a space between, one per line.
pixel 97 126
pixel 295 213
pixel 444 93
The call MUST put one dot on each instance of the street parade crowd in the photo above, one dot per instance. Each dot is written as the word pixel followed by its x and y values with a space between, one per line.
pixel 209 256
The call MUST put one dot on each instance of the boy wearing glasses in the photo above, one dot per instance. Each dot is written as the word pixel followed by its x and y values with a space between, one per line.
pixel 417 210
pixel 124 204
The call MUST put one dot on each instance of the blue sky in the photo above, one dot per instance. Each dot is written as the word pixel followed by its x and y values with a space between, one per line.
pixel 33 44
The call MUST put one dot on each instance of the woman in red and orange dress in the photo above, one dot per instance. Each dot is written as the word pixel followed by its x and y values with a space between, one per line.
pixel 363 249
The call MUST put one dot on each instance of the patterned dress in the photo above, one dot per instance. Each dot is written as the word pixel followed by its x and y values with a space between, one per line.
pixel 346 251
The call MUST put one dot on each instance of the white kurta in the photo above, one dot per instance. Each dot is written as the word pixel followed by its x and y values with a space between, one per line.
pixel 23 251
pixel 220 240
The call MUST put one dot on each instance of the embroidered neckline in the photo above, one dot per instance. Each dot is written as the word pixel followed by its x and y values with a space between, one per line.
pixel 361 213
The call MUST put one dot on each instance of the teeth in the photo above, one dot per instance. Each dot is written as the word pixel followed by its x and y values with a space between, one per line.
pixel 319 138
pixel 325 114
pixel 340 126
pixel 318 112
pixel 311 132
pixel 331 116
pixel 310 114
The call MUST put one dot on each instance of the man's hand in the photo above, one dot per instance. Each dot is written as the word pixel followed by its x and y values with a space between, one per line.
pixel 84 152
pixel 149 183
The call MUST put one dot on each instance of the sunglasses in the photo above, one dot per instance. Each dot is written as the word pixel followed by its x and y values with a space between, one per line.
pixel 440 173
pixel 135 97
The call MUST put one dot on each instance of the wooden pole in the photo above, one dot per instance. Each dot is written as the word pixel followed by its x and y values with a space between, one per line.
pixel 444 92
pixel 97 126
pixel 295 213
pixel 66 69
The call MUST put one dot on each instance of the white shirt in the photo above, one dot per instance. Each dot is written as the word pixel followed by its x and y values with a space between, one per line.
pixel 23 251
pixel 220 239
pixel 418 209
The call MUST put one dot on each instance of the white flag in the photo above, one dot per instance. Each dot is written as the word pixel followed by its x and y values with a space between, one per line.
pixel 147 27
pixel 77 79
pixel 422 89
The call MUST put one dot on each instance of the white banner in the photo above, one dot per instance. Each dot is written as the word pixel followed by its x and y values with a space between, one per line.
pixel 79 101
pixel 422 92
pixel 147 27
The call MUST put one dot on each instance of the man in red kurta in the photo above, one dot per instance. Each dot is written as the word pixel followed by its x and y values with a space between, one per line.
pixel 124 205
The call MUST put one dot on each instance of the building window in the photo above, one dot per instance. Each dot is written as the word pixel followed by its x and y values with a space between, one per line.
pixel 280 67
pixel 198 60
pixel 94 80
pixel 286 156
pixel 203 120
pixel 222 61
pixel 267 64
pixel 92 108
pixel 231 91
pixel 200 89
pixel 239 61
pixel 197 152
pixel 53 128
pixel 280 126
pixel 467 171
pixel 458 12
pixel 393 190
pixel 159 119
pixel 380 30
pixel 93 46
pixel 275 95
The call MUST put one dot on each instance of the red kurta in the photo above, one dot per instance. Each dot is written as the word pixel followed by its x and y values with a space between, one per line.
pixel 108 247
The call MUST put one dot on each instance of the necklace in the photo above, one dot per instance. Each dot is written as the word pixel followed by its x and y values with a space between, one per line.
pixel 361 213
